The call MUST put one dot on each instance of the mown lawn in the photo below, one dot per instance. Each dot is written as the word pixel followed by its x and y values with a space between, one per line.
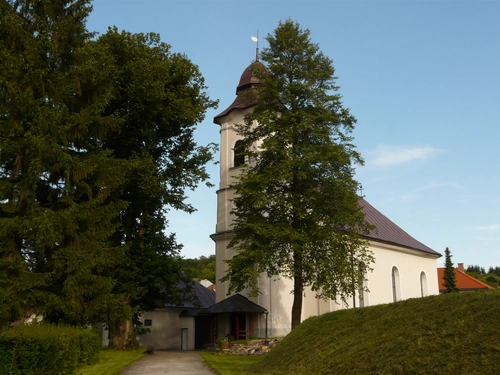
pixel 112 361
pixel 231 364
pixel 449 334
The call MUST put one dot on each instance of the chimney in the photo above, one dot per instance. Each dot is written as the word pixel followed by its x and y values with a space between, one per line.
pixel 461 267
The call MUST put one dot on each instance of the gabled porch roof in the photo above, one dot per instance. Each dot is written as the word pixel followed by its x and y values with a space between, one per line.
pixel 234 304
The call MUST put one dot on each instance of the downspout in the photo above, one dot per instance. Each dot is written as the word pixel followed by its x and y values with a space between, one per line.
pixel 267 313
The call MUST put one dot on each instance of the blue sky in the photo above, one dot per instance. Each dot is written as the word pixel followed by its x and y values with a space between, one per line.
pixel 422 78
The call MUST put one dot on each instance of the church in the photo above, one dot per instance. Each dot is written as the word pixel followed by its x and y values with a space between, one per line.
pixel 403 267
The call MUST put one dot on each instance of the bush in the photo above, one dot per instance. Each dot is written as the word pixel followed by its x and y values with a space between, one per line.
pixel 90 346
pixel 46 349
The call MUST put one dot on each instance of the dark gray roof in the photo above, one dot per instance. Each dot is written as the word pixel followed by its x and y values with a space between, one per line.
pixel 234 304
pixel 388 232
pixel 205 296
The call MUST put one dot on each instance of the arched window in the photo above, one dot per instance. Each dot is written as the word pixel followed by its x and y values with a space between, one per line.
pixel 239 156
pixel 362 294
pixel 423 284
pixel 396 292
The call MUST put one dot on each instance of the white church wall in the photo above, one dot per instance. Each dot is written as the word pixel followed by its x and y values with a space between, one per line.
pixel 277 298
pixel 409 264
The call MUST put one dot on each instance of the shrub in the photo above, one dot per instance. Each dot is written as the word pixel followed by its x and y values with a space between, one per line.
pixel 46 349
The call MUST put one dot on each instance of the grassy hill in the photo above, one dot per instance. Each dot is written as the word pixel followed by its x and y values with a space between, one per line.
pixel 448 334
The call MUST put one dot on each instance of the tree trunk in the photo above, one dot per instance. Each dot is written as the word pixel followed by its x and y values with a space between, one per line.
pixel 297 302
pixel 122 335
pixel 298 291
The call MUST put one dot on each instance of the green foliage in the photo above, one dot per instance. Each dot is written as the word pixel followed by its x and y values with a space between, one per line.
pixel 296 205
pixel 450 280
pixel 494 270
pixel 202 268
pixel 47 349
pixel 456 333
pixel 96 141
pixel 491 279
pixel 158 97
pixel 476 269
pixel 55 179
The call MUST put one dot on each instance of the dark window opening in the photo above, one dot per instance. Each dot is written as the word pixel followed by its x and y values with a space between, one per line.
pixel 148 322
pixel 239 154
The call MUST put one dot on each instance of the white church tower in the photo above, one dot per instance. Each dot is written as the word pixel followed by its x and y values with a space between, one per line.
pixel 230 164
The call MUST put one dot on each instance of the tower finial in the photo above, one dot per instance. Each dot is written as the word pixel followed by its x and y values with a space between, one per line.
pixel 256 40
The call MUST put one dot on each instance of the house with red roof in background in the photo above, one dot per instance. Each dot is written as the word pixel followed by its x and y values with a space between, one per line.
pixel 464 282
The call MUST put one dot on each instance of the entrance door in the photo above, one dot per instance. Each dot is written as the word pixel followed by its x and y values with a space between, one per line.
pixel 184 339
pixel 238 326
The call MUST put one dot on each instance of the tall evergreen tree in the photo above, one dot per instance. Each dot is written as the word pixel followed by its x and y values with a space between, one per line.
pixel 55 179
pixel 450 280
pixel 296 206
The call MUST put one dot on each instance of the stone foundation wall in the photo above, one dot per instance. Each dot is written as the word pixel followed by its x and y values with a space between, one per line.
pixel 253 347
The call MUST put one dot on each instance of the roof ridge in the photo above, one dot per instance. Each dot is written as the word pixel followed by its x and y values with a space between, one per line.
pixel 482 283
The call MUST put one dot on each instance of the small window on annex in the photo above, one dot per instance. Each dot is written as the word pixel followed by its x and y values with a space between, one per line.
pixel 239 156
pixel 396 289
pixel 423 284
pixel 148 322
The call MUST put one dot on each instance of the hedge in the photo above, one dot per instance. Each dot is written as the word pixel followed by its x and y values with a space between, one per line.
pixel 47 349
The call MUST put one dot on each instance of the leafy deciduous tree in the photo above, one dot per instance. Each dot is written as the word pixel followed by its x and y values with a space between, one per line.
pixel 199 268
pixel 159 97
pixel 296 206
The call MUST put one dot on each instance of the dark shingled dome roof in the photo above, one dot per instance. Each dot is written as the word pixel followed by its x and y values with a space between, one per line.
pixel 247 81
pixel 388 232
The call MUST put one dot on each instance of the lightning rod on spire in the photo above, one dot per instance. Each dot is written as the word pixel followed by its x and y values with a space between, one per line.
pixel 256 40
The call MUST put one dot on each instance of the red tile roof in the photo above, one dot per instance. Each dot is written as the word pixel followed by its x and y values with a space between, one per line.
pixel 464 282
pixel 388 232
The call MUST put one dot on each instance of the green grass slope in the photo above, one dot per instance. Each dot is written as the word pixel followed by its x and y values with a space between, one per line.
pixel 449 334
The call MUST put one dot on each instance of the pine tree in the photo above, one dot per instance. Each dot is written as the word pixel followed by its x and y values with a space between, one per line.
pixel 450 281
pixel 296 206
pixel 55 179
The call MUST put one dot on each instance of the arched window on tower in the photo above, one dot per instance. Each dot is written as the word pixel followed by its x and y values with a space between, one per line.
pixel 239 155
pixel 396 291
pixel 423 284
